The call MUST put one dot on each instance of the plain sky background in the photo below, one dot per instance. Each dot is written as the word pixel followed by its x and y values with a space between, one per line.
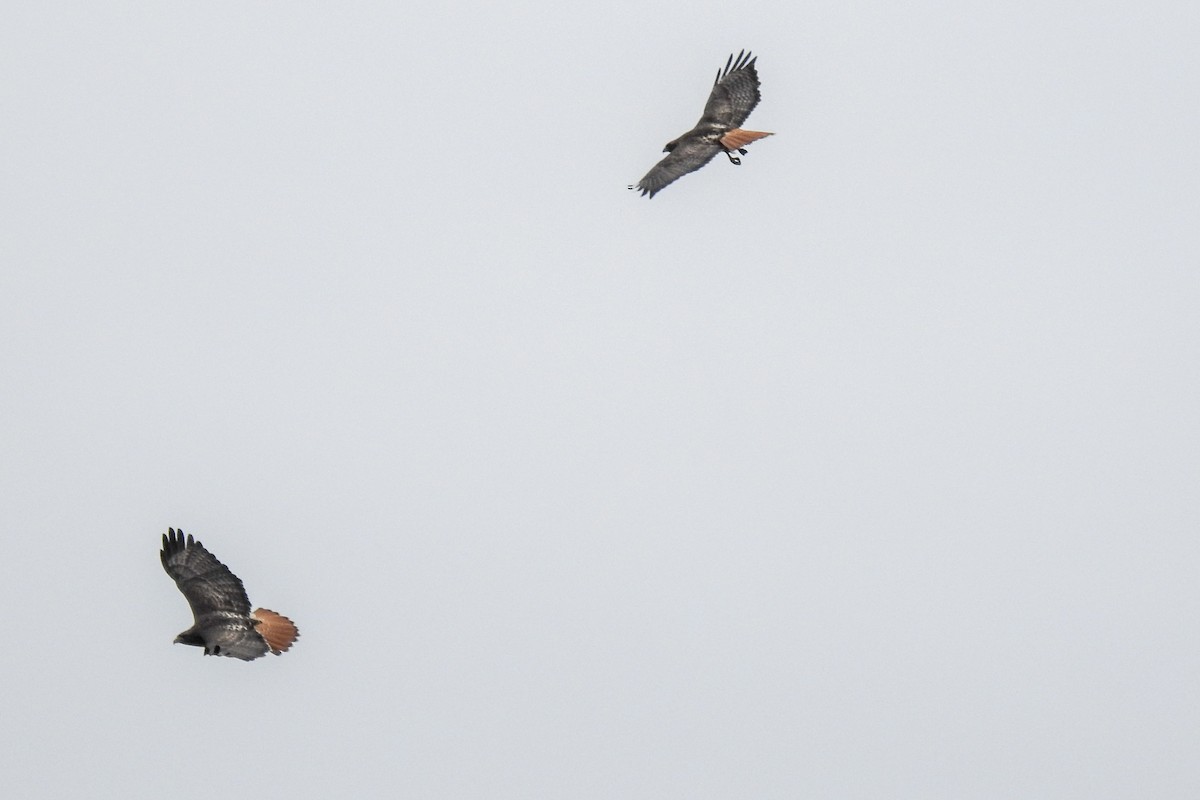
pixel 867 469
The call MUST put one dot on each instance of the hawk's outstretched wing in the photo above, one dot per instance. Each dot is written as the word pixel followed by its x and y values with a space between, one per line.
pixel 734 95
pixel 690 154
pixel 210 588
pixel 224 624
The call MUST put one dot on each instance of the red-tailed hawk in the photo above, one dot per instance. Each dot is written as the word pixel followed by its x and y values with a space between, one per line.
pixel 225 625
pixel 734 96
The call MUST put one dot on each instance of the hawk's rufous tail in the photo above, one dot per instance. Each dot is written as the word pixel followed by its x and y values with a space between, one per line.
pixel 738 138
pixel 279 631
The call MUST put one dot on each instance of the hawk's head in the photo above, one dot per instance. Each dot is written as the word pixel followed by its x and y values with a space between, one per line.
pixel 187 637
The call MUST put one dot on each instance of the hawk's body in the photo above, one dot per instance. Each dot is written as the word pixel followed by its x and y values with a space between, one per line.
pixel 734 95
pixel 225 625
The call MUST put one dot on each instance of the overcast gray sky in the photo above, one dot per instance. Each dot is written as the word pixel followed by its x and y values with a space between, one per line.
pixel 867 469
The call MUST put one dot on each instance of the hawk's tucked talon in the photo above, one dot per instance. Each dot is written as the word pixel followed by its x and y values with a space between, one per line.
pixel 737 162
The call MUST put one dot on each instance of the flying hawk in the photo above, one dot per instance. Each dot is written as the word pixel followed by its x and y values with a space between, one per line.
pixel 225 625
pixel 734 96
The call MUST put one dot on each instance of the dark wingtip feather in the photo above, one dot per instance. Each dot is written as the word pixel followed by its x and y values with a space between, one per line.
pixel 170 545
pixel 174 542
pixel 742 60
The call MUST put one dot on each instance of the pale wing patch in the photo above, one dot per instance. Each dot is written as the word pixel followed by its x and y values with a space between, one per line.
pixel 739 138
pixel 279 631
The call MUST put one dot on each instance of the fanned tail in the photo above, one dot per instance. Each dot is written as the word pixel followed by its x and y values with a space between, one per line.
pixel 279 631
